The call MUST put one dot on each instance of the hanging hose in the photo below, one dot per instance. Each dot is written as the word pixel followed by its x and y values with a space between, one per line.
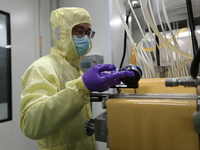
pixel 149 19
pixel 192 26
pixel 194 69
pixel 125 39
pixel 157 52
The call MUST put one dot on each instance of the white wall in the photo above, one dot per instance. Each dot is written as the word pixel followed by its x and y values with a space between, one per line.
pixel 25 49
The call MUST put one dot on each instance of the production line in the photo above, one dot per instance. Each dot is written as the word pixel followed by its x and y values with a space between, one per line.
pixel 151 117
pixel 158 110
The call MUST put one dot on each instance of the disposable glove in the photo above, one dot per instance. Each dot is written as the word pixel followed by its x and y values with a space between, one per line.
pixel 95 79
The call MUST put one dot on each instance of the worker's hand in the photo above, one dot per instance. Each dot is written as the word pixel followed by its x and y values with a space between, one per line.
pixel 96 79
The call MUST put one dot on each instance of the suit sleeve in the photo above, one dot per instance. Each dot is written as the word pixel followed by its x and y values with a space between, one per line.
pixel 44 107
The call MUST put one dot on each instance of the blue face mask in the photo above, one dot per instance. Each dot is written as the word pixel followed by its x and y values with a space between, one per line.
pixel 82 44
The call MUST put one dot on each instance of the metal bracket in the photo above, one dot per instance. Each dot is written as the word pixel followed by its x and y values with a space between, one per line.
pixel 101 97
pixel 101 128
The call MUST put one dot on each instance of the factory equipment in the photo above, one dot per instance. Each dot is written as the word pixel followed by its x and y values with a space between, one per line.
pixel 151 117
pixel 153 113
pixel 5 68
pixel 158 113
pixel 167 31
pixel 90 60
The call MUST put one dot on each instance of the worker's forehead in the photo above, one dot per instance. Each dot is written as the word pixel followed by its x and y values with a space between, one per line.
pixel 83 25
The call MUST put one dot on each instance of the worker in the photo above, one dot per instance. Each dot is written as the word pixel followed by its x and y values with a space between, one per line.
pixel 55 100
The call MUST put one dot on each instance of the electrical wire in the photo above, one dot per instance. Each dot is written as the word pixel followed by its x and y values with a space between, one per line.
pixel 195 65
pixel 142 32
pixel 125 39
pixel 192 25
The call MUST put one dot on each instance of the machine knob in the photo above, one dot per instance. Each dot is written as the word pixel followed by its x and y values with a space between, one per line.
pixel 132 81
pixel 89 127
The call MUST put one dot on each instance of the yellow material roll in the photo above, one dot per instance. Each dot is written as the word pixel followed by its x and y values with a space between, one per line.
pixel 157 86
pixel 152 124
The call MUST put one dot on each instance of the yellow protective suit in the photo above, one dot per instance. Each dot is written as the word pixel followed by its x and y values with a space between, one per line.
pixel 55 101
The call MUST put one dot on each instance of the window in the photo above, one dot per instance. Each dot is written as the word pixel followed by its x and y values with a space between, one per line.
pixel 5 68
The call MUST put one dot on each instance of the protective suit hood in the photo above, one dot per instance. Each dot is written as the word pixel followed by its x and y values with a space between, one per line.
pixel 62 21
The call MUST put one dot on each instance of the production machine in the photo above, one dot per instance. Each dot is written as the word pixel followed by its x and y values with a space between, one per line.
pixel 149 116
pixel 158 109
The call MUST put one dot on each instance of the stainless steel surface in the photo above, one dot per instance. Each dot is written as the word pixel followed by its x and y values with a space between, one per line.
pixel 101 129
pixel 186 82
pixel 156 96
pixel 176 9
pixel 198 103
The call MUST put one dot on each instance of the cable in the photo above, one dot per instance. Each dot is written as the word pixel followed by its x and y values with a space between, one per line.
pixel 133 44
pixel 194 69
pixel 142 32
pixel 192 25
pixel 195 63
pixel 125 39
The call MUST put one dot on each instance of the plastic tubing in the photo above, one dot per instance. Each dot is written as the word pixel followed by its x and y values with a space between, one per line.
pixel 152 36
pixel 172 34
pixel 125 25
pixel 157 41
pixel 151 11
pixel 128 32
pixel 143 56
pixel 136 18
pixel 159 18
pixel 180 66
pixel 160 36
pixel 163 31
pixel 158 52
pixel 150 33
pixel 150 60
pixel 168 23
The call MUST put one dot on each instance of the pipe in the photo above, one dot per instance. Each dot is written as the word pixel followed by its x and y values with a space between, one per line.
pixel 129 34
pixel 192 25
pixel 125 39
pixel 160 36
pixel 194 69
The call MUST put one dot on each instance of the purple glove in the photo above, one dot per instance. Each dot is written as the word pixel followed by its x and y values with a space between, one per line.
pixel 95 79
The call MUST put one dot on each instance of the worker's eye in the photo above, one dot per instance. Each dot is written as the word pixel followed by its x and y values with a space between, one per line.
pixel 80 32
